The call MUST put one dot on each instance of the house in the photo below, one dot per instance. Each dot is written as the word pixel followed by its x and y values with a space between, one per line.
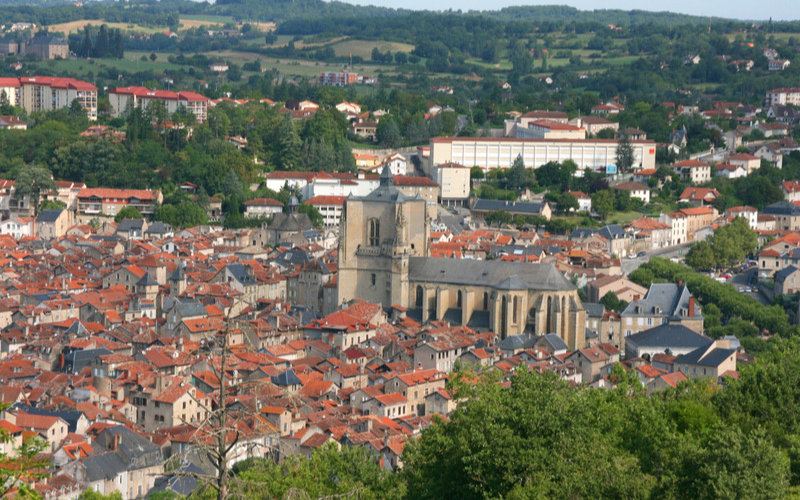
pixel 712 360
pixel 481 207
pixel 18 227
pixel 584 201
pixel 649 233
pixel 696 219
pixel 99 203
pixel 330 207
pixel 698 197
pixel 131 229
pixel 53 223
pixel 668 338
pixel 691 59
pixel 770 129
pixel 546 129
pixel 624 288
pixel 593 124
pixel 733 140
pixel 349 109
pixel 784 114
pixel 778 64
pixel 787 280
pixel 730 171
pixel 748 161
pixel 454 183
pixel 48 47
pixel 590 360
pixel 791 190
pixel 218 67
pixel 12 123
pixel 694 171
pixel 664 303
pixel 786 215
pixel 262 207
pixel 770 153
pixel 636 190
pixel 679 137
pixel 365 129
pixel 750 214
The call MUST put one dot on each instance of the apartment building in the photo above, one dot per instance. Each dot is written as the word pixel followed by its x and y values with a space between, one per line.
pixel 124 98
pixel 489 153
pixel 46 93
pixel 105 202
pixel 783 96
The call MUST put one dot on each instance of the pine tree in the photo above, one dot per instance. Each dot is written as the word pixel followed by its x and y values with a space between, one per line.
pixel 86 47
pixel 289 144
pixel 101 47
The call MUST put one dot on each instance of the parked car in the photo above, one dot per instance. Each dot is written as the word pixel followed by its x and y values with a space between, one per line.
pixel 741 289
pixel 749 290
pixel 726 275
pixel 642 254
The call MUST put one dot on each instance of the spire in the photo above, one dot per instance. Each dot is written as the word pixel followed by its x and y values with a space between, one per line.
pixel 294 203
pixel 387 179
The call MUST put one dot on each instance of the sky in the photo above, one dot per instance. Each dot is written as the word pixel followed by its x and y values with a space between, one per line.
pixel 735 9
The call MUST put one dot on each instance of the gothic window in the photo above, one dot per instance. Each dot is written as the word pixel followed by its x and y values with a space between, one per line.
pixel 373 279
pixel 458 305
pixel 515 317
pixel 485 301
pixel 374 226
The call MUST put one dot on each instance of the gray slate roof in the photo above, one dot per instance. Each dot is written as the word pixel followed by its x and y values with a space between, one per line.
pixel 784 273
pixel 515 342
pixel 668 335
pixel 524 207
pixel 781 208
pixel 49 215
pixel 714 358
pixel 667 298
pixel 497 274
pixel 130 225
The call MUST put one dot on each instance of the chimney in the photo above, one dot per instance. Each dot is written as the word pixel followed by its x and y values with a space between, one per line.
pixel 115 444
pixel 691 307
pixel 680 284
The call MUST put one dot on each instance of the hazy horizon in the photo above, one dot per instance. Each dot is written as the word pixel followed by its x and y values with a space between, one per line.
pixel 778 10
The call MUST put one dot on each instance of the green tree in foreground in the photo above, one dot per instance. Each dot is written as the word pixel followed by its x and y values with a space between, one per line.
pixel 701 256
pixel 17 471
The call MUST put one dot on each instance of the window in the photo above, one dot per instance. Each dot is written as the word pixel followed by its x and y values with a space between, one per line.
pixel 419 297
pixel 373 279
pixel 485 301
pixel 374 227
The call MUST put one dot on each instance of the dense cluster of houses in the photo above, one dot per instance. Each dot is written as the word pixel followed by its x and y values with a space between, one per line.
pixel 111 338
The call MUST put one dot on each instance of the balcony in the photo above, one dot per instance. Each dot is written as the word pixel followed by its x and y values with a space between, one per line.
pixel 90 208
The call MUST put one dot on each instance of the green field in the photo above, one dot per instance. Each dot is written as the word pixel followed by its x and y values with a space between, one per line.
pixel 363 48
pixel 623 218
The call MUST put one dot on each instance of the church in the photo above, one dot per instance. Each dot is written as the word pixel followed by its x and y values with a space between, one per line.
pixel 384 258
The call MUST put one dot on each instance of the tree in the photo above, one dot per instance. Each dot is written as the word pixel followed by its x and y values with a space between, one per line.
pixel 313 214
pixel 624 153
pixel 701 256
pixel 567 202
pixel 127 213
pixel 153 56
pixel 52 205
pixel 498 217
pixel 603 202
pixel 31 182
pixel 733 242
pixel 288 145
pixel 388 133
pixel 476 173
pixel 19 470
pixel 518 176
pixel 612 302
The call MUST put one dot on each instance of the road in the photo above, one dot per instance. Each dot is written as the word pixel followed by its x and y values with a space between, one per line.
pixel 629 265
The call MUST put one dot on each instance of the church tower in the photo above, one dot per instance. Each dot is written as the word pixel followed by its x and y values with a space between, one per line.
pixel 378 234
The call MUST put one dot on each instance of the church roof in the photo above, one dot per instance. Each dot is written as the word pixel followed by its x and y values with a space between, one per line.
pixel 290 222
pixel 497 274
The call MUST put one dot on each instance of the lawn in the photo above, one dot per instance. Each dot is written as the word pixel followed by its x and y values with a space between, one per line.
pixel 623 218
pixel 208 19
pixel 290 67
